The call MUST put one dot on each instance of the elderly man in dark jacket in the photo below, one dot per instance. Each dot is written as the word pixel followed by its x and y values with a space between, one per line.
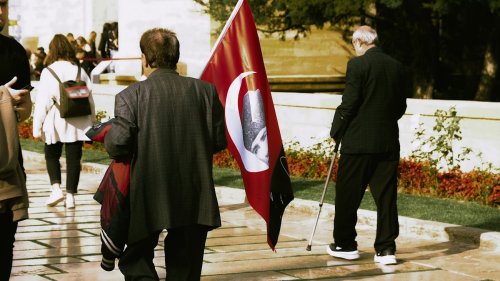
pixel 169 127
pixel 366 121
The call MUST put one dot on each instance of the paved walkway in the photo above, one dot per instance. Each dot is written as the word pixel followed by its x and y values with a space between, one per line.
pixel 60 244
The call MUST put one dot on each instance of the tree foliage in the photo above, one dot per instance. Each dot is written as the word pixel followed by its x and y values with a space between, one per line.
pixel 452 47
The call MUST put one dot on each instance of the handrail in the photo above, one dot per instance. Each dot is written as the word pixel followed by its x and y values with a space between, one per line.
pixel 106 59
pixel 307 83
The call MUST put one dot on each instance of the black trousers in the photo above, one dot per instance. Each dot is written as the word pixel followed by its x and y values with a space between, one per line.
pixel 7 238
pixel 73 166
pixel 184 249
pixel 356 172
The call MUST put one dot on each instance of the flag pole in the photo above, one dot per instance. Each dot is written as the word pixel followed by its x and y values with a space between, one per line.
pixel 224 30
pixel 236 55
pixel 332 162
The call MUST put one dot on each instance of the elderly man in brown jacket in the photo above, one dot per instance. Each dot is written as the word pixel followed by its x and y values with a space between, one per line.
pixel 13 201
pixel 13 194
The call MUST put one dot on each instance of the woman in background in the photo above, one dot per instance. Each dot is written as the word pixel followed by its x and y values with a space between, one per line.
pixel 104 42
pixel 57 131
pixel 91 42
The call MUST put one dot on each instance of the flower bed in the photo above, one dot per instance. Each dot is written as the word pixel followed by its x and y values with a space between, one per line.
pixel 414 177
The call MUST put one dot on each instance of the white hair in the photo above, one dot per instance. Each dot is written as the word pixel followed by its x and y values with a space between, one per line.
pixel 365 34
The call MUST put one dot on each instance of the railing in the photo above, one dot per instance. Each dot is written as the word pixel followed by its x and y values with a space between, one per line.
pixel 278 83
pixel 115 74
pixel 307 83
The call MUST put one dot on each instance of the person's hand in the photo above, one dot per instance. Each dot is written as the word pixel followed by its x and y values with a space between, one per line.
pixel 37 134
pixel 15 94
pixel 20 99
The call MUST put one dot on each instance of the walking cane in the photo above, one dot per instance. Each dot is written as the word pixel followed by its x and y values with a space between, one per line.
pixel 324 192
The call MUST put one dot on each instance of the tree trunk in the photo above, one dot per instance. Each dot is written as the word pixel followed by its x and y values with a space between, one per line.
pixel 424 91
pixel 488 74
pixel 423 87
pixel 411 35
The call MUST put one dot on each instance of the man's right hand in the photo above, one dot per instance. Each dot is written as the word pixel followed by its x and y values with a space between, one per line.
pixel 21 99
pixel 16 95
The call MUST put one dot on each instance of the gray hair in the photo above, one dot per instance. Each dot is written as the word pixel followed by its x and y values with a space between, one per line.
pixel 365 34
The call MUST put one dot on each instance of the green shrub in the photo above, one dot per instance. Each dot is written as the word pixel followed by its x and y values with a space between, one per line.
pixel 434 165
pixel 438 149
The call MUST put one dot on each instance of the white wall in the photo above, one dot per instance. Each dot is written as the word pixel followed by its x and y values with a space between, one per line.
pixel 102 11
pixel 307 118
pixel 45 18
pixel 181 16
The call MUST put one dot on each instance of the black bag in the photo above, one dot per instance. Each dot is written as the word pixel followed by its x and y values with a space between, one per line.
pixel 73 96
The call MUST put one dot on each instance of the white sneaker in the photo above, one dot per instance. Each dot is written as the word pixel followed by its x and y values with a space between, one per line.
pixel 385 257
pixel 70 201
pixel 55 197
pixel 350 253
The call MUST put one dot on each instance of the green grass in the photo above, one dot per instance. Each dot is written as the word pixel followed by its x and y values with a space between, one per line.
pixel 30 145
pixel 89 155
pixel 421 207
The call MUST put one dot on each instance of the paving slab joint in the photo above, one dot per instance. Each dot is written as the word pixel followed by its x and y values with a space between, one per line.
pixel 484 239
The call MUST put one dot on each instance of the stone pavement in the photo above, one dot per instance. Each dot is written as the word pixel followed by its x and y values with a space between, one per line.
pixel 60 244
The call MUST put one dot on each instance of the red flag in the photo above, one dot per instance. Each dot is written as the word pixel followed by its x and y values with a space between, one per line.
pixel 236 67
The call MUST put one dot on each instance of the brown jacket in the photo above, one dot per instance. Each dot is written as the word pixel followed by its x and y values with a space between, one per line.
pixel 13 194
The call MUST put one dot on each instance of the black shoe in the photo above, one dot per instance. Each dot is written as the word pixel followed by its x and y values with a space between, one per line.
pixel 385 257
pixel 348 253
